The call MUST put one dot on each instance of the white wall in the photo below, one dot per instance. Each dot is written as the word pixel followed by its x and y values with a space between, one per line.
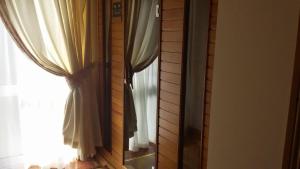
pixel 255 50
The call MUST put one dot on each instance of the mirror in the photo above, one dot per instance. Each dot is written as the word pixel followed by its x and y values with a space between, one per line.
pixel 197 42
pixel 142 43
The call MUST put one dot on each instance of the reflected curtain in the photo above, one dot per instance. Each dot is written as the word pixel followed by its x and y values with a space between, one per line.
pixel 145 99
pixel 62 37
pixel 142 33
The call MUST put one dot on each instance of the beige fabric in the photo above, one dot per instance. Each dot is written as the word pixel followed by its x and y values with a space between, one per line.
pixel 62 37
pixel 146 37
pixel 143 33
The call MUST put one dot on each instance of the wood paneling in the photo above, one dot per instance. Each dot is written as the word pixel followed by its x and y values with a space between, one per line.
pixel 170 57
pixel 169 107
pixel 172 118
pixel 115 157
pixel 170 87
pixel 169 77
pixel 165 163
pixel 172 14
pixel 170 83
pixel 173 4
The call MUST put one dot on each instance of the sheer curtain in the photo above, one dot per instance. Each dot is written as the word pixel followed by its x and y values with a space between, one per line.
pixel 145 101
pixel 10 130
pixel 31 114
pixel 63 38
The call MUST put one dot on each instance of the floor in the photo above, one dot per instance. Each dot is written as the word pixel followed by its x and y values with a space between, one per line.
pixel 17 163
pixel 146 151
pixel 191 150
pixel 143 162
pixel 143 159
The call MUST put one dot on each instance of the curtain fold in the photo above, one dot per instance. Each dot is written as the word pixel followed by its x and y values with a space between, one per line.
pixel 63 38
pixel 142 35
pixel 145 99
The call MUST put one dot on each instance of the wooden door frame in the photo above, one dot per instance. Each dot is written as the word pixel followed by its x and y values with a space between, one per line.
pixel 293 127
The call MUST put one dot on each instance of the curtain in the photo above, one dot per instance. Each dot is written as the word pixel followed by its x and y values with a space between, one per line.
pixel 10 142
pixel 142 35
pixel 196 63
pixel 31 115
pixel 63 37
pixel 145 101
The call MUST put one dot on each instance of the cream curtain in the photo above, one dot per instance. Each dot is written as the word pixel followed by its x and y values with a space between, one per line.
pixel 142 36
pixel 62 37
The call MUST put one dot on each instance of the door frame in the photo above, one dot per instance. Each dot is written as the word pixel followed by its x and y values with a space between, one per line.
pixel 292 142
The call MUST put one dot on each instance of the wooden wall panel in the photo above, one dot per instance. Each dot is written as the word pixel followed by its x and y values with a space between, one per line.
pixel 115 157
pixel 170 83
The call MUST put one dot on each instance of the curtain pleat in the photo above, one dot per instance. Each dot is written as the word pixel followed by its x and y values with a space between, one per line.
pixel 63 38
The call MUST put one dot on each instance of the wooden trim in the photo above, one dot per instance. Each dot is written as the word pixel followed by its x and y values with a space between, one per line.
pixel 158 84
pixel 183 81
pixel 208 81
pixel 292 142
pixel 107 75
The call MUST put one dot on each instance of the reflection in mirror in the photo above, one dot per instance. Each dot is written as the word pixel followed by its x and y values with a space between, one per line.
pixel 142 26
pixel 197 36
